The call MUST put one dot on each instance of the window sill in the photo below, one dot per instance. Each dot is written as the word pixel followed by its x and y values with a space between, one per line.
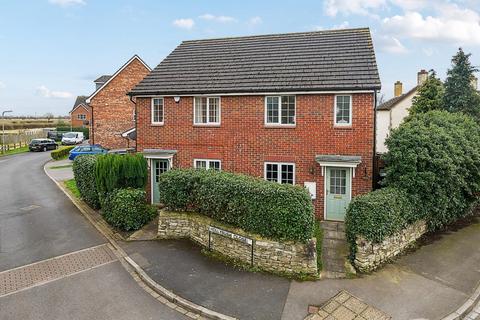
pixel 207 125
pixel 346 127
pixel 159 124
pixel 280 126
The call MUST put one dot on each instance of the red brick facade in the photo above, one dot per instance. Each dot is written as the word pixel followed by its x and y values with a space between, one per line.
pixel 77 115
pixel 243 143
pixel 113 112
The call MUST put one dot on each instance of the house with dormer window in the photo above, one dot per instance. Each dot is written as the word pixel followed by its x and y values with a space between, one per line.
pixel 292 108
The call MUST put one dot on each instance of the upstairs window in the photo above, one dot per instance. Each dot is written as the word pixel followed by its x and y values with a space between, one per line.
pixel 280 172
pixel 207 164
pixel 157 110
pixel 206 110
pixel 280 110
pixel 343 110
pixel 81 116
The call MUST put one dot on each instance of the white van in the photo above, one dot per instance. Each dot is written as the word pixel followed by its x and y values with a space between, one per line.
pixel 72 138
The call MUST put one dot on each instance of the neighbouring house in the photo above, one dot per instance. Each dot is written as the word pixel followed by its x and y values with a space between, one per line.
pixel 113 111
pixel 291 108
pixel 390 114
pixel 81 114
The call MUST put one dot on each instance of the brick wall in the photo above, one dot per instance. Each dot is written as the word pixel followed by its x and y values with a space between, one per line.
pixel 243 143
pixel 74 117
pixel 112 109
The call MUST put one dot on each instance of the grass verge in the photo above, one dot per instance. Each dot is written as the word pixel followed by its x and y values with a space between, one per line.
pixel 61 167
pixel 72 186
pixel 15 151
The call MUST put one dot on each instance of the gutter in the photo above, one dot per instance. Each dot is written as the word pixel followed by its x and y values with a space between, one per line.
pixel 374 162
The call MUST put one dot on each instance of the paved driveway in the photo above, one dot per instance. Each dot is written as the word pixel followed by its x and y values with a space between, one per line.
pixel 46 239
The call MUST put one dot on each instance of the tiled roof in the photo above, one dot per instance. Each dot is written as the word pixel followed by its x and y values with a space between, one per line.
pixel 307 61
pixel 80 100
pixel 103 79
pixel 389 104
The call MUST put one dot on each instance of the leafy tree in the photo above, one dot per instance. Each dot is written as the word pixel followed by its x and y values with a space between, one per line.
pixel 429 96
pixel 459 95
pixel 435 158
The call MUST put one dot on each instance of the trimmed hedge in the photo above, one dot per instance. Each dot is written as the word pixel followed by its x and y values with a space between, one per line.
pixel 435 158
pixel 61 152
pixel 84 173
pixel 114 171
pixel 278 211
pixel 127 210
pixel 378 215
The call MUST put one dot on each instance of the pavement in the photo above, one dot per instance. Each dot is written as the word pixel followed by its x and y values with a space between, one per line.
pixel 45 272
pixel 427 283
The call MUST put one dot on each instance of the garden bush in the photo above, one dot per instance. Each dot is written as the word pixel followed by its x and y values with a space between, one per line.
pixel 61 152
pixel 278 211
pixel 84 173
pixel 435 158
pixel 378 215
pixel 114 171
pixel 127 210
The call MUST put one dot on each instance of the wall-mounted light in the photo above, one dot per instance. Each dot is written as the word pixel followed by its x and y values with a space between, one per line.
pixel 176 99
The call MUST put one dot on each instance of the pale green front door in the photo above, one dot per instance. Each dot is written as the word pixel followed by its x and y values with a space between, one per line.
pixel 159 166
pixel 338 195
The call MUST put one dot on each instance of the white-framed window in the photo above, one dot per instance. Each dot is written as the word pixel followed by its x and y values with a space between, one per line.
pixel 206 110
pixel 157 110
pixel 343 110
pixel 280 172
pixel 207 164
pixel 81 116
pixel 280 110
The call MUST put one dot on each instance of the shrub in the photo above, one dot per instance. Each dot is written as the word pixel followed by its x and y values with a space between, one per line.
pixel 435 158
pixel 61 153
pixel 114 171
pixel 127 210
pixel 84 173
pixel 278 211
pixel 377 215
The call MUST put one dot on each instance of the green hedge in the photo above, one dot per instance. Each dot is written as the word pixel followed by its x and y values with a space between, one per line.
pixel 84 173
pixel 378 215
pixel 127 210
pixel 435 158
pixel 114 171
pixel 278 211
pixel 61 152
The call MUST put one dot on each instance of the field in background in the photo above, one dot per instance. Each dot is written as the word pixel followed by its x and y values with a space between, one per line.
pixel 31 123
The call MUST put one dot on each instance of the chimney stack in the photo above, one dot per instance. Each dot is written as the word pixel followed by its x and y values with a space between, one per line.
pixel 422 76
pixel 474 82
pixel 397 89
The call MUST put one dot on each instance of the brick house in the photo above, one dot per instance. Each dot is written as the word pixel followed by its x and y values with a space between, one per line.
pixel 112 110
pixel 81 114
pixel 290 108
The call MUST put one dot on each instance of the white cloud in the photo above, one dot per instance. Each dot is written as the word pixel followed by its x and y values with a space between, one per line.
pixel 410 4
pixel 343 25
pixel 67 3
pixel 461 26
pixel 391 45
pixel 254 21
pixel 47 93
pixel 221 19
pixel 346 7
pixel 184 23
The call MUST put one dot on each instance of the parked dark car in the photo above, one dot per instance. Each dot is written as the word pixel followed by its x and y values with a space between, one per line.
pixel 42 145
pixel 55 135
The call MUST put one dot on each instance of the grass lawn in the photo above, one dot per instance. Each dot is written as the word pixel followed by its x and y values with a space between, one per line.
pixel 15 151
pixel 72 186
pixel 61 167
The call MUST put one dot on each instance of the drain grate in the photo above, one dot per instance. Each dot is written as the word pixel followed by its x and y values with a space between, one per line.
pixel 59 267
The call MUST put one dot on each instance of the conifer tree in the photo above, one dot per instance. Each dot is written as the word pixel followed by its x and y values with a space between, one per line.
pixel 429 95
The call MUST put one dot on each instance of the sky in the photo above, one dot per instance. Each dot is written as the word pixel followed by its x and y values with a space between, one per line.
pixel 52 50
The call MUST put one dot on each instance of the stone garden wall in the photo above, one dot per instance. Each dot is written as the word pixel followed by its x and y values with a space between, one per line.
pixel 370 255
pixel 268 255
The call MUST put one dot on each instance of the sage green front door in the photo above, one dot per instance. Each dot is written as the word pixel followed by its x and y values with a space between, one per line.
pixel 338 195
pixel 159 166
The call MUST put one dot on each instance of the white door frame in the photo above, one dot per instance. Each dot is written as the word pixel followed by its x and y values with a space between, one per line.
pixel 150 158
pixel 351 175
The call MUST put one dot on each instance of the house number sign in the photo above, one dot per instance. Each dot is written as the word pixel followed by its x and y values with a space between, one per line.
pixel 230 235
